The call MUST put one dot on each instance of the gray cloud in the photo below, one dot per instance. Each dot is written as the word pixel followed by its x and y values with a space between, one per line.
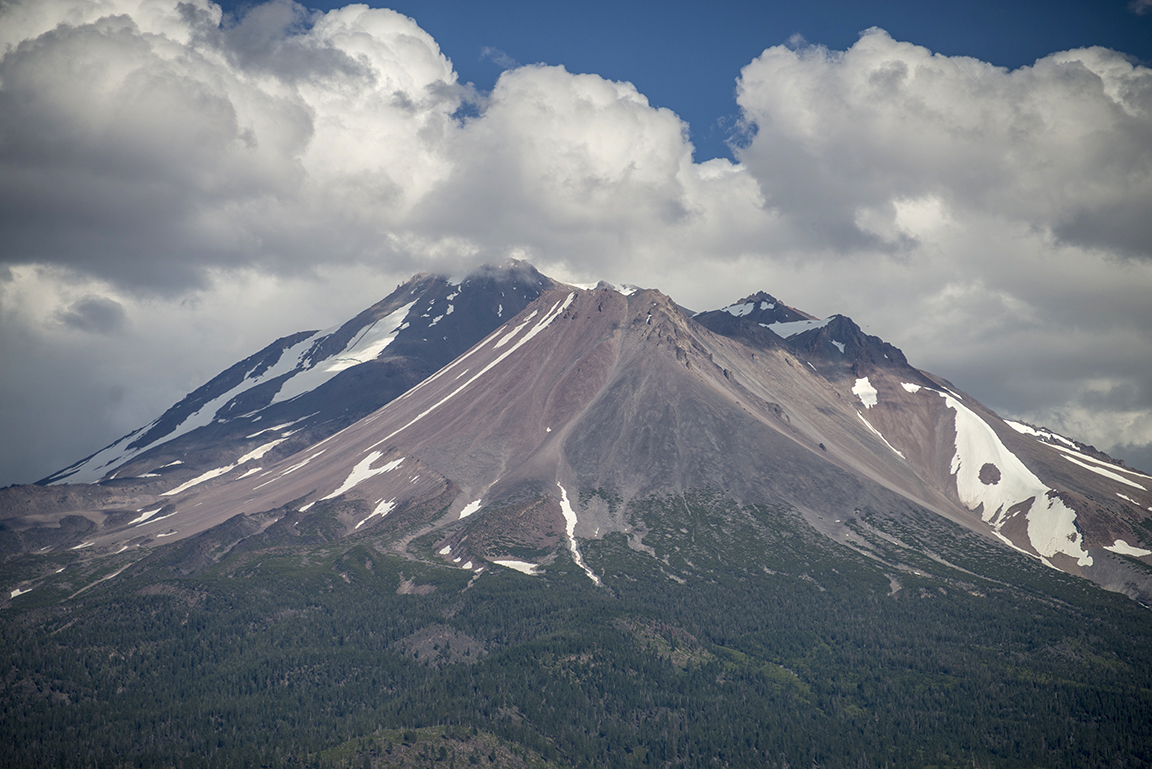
pixel 97 314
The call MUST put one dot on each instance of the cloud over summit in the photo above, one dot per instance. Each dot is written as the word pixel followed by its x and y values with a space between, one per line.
pixel 152 152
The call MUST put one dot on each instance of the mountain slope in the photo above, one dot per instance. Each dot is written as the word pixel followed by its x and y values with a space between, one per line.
pixel 547 431
pixel 1060 501
pixel 312 383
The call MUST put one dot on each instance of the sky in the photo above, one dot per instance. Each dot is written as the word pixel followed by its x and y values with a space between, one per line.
pixel 181 183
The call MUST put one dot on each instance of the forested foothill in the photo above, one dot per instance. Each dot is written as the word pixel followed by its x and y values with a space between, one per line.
pixel 721 636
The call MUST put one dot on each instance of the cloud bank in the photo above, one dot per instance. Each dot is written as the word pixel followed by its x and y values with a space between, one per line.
pixel 178 188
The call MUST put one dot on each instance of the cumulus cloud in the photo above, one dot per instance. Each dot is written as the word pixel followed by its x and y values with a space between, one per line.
pixel 169 173
pixel 148 147
pixel 849 141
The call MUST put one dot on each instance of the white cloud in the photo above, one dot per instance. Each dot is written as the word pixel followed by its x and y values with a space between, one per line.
pixel 159 145
pixel 166 176
pixel 840 137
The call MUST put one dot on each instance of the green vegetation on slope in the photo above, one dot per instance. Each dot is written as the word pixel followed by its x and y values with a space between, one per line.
pixel 748 640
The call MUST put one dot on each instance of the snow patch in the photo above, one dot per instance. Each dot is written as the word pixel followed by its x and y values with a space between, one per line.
pixel 521 566
pixel 1101 462
pixel 365 346
pixel 382 509
pixel 508 338
pixel 143 516
pixel 793 327
pixel 256 453
pixel 881 437
pixel 268 430
pixel 470 508
pixel 1026 430
pixel 865 392
pixel 445 550
pixel 1123 548
pixel 739 310
pixel 17 592
pixel 570 522
pixel 215 473
pixel 362 472
pixel 1105 473
pixel 259 452
pixel 839 346
pixel 912 388
pixel 293 468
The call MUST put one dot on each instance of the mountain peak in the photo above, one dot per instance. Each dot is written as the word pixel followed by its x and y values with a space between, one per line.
pixel 313 383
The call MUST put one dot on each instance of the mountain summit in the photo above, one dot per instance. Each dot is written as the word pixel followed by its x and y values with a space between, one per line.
pixel 506 418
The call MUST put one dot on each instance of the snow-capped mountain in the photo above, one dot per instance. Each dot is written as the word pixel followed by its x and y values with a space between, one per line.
pixel 506 417
pixel 303 387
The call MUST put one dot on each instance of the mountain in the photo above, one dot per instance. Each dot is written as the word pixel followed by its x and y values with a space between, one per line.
pixel 596 388
pixel 744 505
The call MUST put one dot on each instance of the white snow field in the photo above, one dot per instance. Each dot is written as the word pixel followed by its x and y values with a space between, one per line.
pixel 1051 524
